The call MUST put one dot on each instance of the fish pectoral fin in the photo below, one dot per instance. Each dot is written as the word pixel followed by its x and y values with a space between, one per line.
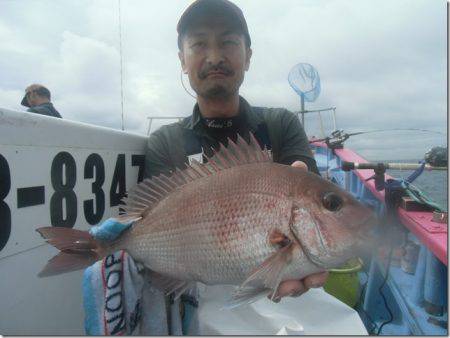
pixel 266 278
pixel 246 295
pixel 169 285
pixel 277 237
pixel 268 275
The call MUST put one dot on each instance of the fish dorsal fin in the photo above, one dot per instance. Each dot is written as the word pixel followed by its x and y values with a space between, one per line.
pixel 144 196
pixel 239 153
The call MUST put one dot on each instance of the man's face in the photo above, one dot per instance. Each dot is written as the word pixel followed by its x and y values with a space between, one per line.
pixel 31 97
pixel 215 57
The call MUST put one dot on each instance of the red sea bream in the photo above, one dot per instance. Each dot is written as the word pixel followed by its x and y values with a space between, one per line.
pixel 238 219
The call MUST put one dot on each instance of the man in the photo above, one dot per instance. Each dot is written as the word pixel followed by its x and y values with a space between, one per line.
pixel 37 98
pixel 214 51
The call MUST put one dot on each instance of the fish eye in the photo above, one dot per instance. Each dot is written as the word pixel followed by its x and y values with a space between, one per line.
pixel 332 201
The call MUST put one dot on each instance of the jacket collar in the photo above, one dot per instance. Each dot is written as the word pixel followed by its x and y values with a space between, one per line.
pixel 194 121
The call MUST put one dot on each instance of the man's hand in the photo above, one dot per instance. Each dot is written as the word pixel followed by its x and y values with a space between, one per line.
pixel 300 164
pixel 295 288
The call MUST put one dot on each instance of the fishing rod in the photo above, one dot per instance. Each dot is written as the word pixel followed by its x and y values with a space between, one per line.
pixel 434 159
pixel 397 166
pixel 380 169
pixel 339 136
pixel 397 129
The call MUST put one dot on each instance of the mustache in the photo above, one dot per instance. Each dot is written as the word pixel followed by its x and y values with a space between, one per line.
pixel 215 68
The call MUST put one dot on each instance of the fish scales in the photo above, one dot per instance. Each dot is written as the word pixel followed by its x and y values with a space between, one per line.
pixel 215 228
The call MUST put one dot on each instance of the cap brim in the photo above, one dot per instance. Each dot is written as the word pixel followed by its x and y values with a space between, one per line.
pixel 25 101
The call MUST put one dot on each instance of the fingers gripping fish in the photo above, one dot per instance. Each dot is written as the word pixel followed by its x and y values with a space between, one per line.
pixel 238 219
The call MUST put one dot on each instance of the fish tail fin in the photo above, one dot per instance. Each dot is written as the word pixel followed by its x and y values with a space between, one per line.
pixel 78 250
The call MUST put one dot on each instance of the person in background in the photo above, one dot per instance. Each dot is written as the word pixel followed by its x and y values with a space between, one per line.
pixel 38 99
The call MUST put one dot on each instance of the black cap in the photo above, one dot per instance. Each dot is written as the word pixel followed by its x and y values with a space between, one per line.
pixel 37 88
pixel 201 8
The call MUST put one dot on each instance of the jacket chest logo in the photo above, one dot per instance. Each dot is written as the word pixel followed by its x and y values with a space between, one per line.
pixel 198 157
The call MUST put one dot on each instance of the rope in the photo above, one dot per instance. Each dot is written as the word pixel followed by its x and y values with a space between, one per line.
pixel 415 193
pixel 405 184
pixel 418 196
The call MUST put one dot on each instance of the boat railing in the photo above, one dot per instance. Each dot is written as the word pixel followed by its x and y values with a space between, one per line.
pixel 319 112
pixel 301 113
pixel 151 118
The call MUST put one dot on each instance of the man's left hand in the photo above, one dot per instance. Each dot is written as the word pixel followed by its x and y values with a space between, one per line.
pixel 295 288
pixel 300 165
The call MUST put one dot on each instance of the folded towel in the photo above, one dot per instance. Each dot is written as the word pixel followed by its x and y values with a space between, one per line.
pixel 119 299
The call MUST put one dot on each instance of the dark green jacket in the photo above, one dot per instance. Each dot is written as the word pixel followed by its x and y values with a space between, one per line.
pixel 166 151
pixel 45 109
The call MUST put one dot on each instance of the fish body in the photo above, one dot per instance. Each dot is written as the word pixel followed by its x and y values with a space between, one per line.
pixel 217 230
pixel 239 219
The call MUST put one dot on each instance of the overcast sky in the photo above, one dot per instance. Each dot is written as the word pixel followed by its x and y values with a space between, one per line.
pixel 381 63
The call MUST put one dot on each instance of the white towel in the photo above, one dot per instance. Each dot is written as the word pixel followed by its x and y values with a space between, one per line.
pixel 120 300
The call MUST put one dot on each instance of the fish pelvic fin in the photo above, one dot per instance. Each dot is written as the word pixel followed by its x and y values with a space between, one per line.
pixel 78 250
pixel 246 295
pixel 169 285
pixel 146 195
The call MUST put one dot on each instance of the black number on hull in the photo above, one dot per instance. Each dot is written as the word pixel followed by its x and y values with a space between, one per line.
pixel 5 212
pixel 118 184
pixel 95 161
pixel 139 161
pixel 63 163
